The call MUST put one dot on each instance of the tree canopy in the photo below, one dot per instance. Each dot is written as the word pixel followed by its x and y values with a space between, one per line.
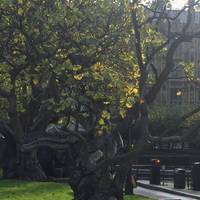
pixel 84 72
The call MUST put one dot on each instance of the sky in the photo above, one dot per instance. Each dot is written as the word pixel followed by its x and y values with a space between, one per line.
pixel 178 3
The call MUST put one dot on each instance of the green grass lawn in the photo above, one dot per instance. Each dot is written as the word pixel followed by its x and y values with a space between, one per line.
pixel 22 190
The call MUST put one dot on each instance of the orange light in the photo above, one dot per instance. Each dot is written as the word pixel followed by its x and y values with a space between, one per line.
pixel 141 101
pixel 178 93
pixel 157 162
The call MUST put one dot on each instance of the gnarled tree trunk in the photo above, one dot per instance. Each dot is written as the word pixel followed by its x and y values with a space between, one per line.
pixel 14 162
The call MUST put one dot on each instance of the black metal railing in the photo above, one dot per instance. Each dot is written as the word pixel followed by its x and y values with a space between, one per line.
pixel 142 172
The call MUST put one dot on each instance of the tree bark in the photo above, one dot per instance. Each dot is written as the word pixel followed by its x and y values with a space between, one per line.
pixel 95 185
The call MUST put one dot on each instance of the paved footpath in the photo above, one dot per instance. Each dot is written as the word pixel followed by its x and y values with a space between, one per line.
pixel 157 195
pixel 166 192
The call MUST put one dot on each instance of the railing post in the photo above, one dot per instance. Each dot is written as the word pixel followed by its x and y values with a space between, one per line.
pixel 188 179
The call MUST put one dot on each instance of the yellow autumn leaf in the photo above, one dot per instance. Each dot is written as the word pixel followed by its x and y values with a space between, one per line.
pixel 20 11
pixel 122 113
pixel 78 77
pixel 98 67
pixel 35 81
pixel 129 105
pixel 101 122
pixel 105 115
pixel 131 90
pixel 135 91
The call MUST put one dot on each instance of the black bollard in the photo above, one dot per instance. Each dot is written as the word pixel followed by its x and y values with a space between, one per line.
pixel 155 172
pixel 196 176
pixel 179 178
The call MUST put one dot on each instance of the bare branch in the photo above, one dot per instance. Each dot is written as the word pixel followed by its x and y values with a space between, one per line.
pixel 191 113
pixel 179 38
pixel 159 48
pixel 139 52
pixel 187 134
pixel 79 136
pixel 58 143
pixel 49 142
pixel 154 71
pixel 151 95
pixel 4 126
pixel 161 14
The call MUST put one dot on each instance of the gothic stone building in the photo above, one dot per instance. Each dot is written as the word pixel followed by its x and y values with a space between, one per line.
pixel 177 89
